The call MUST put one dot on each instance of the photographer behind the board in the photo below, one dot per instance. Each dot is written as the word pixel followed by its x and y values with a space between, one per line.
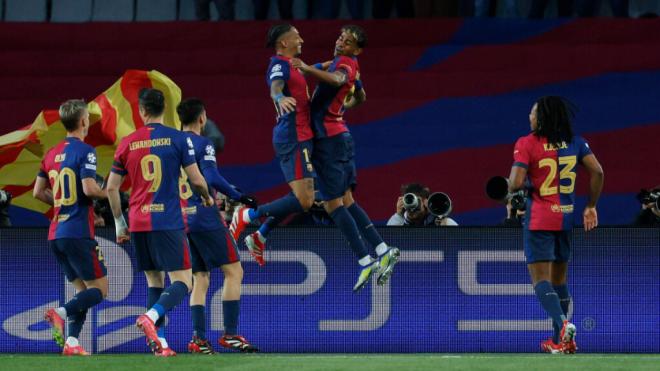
pixel 5 200
pixel 649 216
pixel 418 207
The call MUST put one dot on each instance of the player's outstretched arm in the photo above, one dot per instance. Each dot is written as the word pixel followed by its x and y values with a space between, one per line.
pixel 198 183
pixel 121 228
pixel 91 189
pixel 42 191
pixel 336 78
pixel 596 180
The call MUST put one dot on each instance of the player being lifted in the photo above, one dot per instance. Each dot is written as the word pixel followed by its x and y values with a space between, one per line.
pixel 292 140
pixel 546 159
pixel 67 180
pixel 340 88
pixel 152 158
pixel 211 246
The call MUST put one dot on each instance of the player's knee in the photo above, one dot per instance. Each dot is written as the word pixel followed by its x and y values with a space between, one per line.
pixel 306 202
pixel 234 272
pixel 201 280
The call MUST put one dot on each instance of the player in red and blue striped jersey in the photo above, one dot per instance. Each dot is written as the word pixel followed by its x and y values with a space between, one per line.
pixel 340 88
pixel 292 140
pixel 67 181
pixel 211 245
pixel 152 158
pixel 545 162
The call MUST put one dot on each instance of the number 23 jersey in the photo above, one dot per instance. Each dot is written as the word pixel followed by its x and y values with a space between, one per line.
pixel 551 173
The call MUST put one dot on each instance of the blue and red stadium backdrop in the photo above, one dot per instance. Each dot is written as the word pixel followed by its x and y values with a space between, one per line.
pixel 446 98
pixel 455 290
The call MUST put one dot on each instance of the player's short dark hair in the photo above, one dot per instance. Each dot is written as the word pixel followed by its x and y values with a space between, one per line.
pixel 152 101
pixel 554 116
pixel 70 113
pixel 275 32
pixel 417 188
pixel 189 110
pixel 358 33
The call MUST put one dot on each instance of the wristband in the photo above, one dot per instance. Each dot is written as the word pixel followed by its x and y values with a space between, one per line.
pixel 278 97
pixel 318 66
pixel 120 224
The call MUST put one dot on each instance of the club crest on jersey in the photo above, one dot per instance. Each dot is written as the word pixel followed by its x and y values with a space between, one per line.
pixel 91 158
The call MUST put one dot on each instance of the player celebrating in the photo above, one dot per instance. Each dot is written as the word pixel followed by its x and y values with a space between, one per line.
pixel 67 180
pixel 547 159
pixel 210 242
pixel 292 140
pixel 340 88
pixel 152 157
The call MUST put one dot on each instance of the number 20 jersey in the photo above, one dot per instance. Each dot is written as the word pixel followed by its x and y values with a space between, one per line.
pixel 65 165
pixel 152 157
pixel 551 173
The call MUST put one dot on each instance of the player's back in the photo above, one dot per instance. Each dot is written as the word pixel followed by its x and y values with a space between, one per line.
pixel 152 157
pixel 199 218
pixel 294 126
pixel 551 173
pixel 327 107
pixel 66 165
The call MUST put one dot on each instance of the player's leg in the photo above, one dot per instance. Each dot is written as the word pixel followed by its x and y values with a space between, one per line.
pixel 231 305
pixel 296 165
pixel 387 255
pixel 567 333
pixel 256 242
pixel 540 253
pixel 200 246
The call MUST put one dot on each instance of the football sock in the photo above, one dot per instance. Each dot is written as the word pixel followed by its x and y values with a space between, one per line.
pixel 550 302
pixel 349 229
pixel 163 342
pixel 230 311
pixel 171 296
pixel 83 300
pixel 198 313
pixel 564 301
pixel 365 260
pixel 365 225
pixel 153 294
pixel 281 207
pixel 76 322
pixel 268 225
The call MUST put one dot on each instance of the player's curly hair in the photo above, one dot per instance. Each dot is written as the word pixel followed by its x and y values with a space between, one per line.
pixel 358 33
pixel 554 117
pixel 189 110
pixel 275 32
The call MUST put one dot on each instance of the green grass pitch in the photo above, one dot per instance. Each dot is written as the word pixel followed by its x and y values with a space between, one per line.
pixel 360 362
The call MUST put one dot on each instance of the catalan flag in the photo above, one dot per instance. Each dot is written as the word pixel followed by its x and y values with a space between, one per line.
pixel 113 115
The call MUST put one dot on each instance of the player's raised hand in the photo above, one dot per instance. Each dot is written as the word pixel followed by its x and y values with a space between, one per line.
pixel 299 64
pixel 590 218
pixel 287 104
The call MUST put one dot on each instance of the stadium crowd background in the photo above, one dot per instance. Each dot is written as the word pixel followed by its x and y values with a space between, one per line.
pixel 479 77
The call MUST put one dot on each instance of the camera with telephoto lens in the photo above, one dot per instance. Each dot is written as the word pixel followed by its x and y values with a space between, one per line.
pixel 411 202
pixel 497 189
pixel 5 198
pixel 439 204
pixel 646 197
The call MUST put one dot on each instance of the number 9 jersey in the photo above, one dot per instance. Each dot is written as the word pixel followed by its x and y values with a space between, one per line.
pixel 152 157
pixel 65 165
pixel 551 174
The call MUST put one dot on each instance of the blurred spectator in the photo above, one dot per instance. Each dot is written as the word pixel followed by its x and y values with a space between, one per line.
pixel 435 8
pixel 383 9
pixel 211 131
pixel 488 8
pixel 564 8
pixel 591 8
pixel 225 9
pixel 416 213
pixel 329 9
pixel 285 7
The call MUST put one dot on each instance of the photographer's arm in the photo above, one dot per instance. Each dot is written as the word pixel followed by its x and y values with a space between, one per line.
pixel 42 191
pixel 91 189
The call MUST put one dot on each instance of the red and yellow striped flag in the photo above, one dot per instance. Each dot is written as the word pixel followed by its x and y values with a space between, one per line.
pixel 112 115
